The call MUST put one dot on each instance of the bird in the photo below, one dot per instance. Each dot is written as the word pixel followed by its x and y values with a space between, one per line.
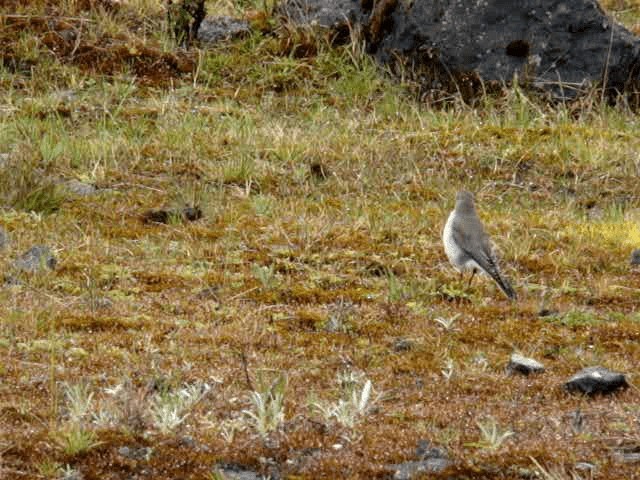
pixel 468 246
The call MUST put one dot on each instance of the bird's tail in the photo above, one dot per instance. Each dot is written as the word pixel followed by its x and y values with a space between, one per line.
pixel 503 283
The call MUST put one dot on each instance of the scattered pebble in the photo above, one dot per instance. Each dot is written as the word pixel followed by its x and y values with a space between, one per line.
pixel 79 188
pixel 36 259
pixel 430 460
pixel 523 365
pixel 136 453
pixel 593 380
pixel 214 30
pixel 635 257
pixel 231 471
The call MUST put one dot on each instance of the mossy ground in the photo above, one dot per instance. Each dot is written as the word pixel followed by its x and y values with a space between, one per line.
pixel 324 185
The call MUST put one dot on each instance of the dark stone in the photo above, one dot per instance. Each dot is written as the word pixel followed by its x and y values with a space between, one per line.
pixel 36 259
pixel 593 380
pixel 136 453
pixel 217 29
pixel 635 257
pixel 561 47
pixel 429 460
pixel 547 312
pixel 523 365
pixel 232 471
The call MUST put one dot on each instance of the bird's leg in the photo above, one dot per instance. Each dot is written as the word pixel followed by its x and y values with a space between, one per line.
pixel 473 272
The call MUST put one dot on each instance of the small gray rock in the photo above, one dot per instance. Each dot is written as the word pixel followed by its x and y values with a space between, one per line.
pixel 36 259
pixel 635 257
pixel 214 30
pixel 623 456
pixel 136 453
pixel 79 188
pixel 585 467
pixel 523 365
pixel 593 380
pixel 410 470
pixel 429 460
pixel 231 471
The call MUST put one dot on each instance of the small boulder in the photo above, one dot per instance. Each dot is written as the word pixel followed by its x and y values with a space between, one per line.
pixel 80 189
pixel 635 257
pixel 593 380
pixel 135 453
pixel 217 29
pixel 37 258
pixel 521 364
pixel 429 460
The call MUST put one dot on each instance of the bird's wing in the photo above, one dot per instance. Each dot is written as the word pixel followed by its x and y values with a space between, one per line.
pixel 474 242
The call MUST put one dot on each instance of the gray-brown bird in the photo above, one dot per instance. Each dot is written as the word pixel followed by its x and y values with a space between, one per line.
pixel 468 246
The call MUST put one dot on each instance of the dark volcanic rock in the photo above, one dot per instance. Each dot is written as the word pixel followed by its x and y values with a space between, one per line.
pixel 524 365
pixel 594 380
pixel 635 257
pixel 558 46
pixel 216 29
pixel 429 460
pixel 35 259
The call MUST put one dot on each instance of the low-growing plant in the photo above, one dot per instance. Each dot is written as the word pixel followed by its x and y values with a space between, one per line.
pixel 79 399
pixel 76 440
pixel 355 402
pixel 267 406
pixel 171 408
pixel 491 435
pixel 266 275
